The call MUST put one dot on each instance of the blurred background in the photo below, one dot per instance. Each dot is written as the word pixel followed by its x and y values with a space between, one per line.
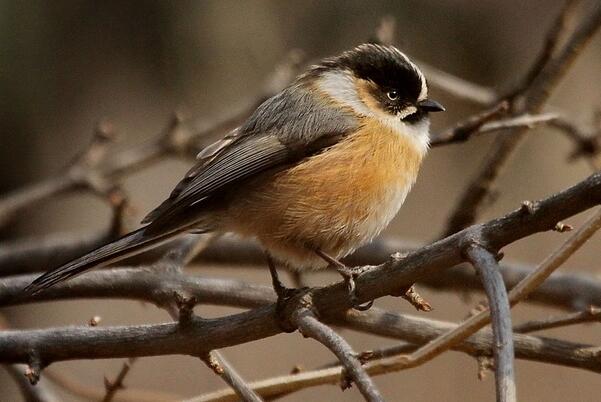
pixel 66 65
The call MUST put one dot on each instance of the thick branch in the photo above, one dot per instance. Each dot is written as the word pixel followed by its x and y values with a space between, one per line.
pixel 419 331
pixel 76 343
pixel 518 293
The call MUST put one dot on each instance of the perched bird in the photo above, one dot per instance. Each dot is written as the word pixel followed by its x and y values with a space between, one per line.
pixel 318 169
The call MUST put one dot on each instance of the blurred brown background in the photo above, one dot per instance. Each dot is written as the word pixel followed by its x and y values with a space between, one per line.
pixel 65 65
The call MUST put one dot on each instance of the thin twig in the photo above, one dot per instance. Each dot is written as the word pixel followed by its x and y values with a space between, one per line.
pixel 310 326
pixel 587 144
pixel 558 29
pixel 487 266
pixel 458 87
pixel 92 172
pixel 112 387
pixel 67 383
pixel 216 362
pixel 538 91
pixel 592 314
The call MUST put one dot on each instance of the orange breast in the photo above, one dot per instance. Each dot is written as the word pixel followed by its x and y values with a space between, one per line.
pixel 334 201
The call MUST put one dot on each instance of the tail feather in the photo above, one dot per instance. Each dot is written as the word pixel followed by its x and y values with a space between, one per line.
pixel 128 245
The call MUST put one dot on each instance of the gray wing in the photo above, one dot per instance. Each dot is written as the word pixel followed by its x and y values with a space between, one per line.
pixel 284 129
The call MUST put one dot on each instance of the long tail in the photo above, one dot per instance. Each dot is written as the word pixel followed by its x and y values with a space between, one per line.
pixel 128 245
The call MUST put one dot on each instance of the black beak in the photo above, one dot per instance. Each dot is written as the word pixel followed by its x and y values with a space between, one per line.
pixel 428 105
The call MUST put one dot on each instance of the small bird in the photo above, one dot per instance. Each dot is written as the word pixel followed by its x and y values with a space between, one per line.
pixel 318 170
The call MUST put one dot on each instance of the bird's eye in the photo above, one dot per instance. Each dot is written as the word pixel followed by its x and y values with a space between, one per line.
pixel 392 95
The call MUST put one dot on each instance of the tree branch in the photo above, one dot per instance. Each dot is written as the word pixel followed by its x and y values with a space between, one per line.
pixel 216 362
pixel 30 392
pixel 496 293
pixel 73 343
pixel 310 326
pixel 518 293
pixel 537 93
pixel 592 314
pixel 419 331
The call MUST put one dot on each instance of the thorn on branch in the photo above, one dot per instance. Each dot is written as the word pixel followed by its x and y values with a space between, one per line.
pixel 297 369
pixel 104 135
pixel 528 207
pixel 94 321
pixel 346 382
pixel 212 362
pixel 366 356
pixel 416 300
pixel 563 227
pixel 33 371
pixel 185 306
pixel 485 365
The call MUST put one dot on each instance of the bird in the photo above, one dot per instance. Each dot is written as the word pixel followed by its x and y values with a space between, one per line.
pixel 318 170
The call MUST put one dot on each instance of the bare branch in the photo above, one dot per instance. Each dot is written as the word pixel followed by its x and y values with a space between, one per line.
pixel 458 87
pixel 487 266
pixel 92 172
pixel 592 314
pixel 558 29
pixel 472 199
pixel 112 387
pixel 518 293
pixel 587 144
pixel 51 345
pixel 449 83
pixel 216 362
pixel 310 326
pixel 91 393
pixel 419 331
pixel 30 393
pixel 564 290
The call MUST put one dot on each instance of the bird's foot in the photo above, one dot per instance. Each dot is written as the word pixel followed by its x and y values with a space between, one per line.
pixel 349 274
pixel 285 296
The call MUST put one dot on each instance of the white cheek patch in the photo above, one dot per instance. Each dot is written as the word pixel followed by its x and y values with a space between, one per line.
pixel 341 87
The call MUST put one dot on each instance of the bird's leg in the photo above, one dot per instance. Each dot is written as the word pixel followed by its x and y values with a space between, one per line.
pixel 282 291
pixel 348 274
pixel 284 294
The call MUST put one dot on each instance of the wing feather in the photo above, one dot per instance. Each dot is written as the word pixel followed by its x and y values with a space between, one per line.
pixel 283 130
